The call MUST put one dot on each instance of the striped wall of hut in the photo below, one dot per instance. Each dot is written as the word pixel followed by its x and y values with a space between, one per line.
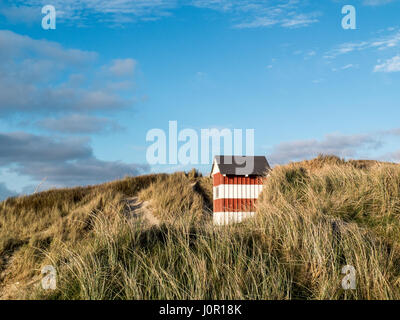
pixel 234 196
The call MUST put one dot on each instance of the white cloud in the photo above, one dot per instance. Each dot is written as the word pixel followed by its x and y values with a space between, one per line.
pixel 392 156
pixel 14 45
pixel 62 161
pixel 123 67
pixel 394 132
pixel 42 78
pixel 33 72
pixel 21 14
pixel 337 144
pixel 5 192
pixel 78 124
pixel 345 67
pixel 390 65
pixel 344 146
pixel 385 42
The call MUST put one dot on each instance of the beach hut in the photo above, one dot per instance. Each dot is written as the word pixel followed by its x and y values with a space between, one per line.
pixel 237 183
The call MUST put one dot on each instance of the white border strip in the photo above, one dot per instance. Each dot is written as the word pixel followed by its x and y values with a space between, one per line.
pixel 237 191
pixel 224 218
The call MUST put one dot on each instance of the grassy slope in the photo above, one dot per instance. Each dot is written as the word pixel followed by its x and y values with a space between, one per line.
pixel 313 218
pixel 33 226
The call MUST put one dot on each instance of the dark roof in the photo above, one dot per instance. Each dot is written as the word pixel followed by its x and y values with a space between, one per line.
pixel 242 165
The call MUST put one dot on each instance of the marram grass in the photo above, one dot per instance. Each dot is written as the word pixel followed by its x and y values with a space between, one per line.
pixel 312 219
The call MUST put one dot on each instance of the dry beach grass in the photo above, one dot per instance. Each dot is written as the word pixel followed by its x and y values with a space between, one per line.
pixel 313 218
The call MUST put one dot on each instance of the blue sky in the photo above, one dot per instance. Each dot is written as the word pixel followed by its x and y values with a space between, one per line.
pixel 77 102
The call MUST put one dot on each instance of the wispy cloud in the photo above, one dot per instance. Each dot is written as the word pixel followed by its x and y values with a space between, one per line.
pixel 287 14
pixel 317 81
pixel 295 21
pixel 381 43
pixel 257 23
pixel 390 65
pixel 300 20
pixel 107 11
pixel 376 2
pixel 245 14
pixel 346 67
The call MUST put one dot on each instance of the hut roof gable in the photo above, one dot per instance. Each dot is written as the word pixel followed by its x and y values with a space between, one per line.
pixel 236 165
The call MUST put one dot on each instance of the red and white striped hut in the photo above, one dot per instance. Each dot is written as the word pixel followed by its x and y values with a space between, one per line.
pixel 237 183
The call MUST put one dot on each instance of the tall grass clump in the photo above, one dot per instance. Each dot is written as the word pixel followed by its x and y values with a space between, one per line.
pixel 182 260
pixel 321 220
pixel 178 195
